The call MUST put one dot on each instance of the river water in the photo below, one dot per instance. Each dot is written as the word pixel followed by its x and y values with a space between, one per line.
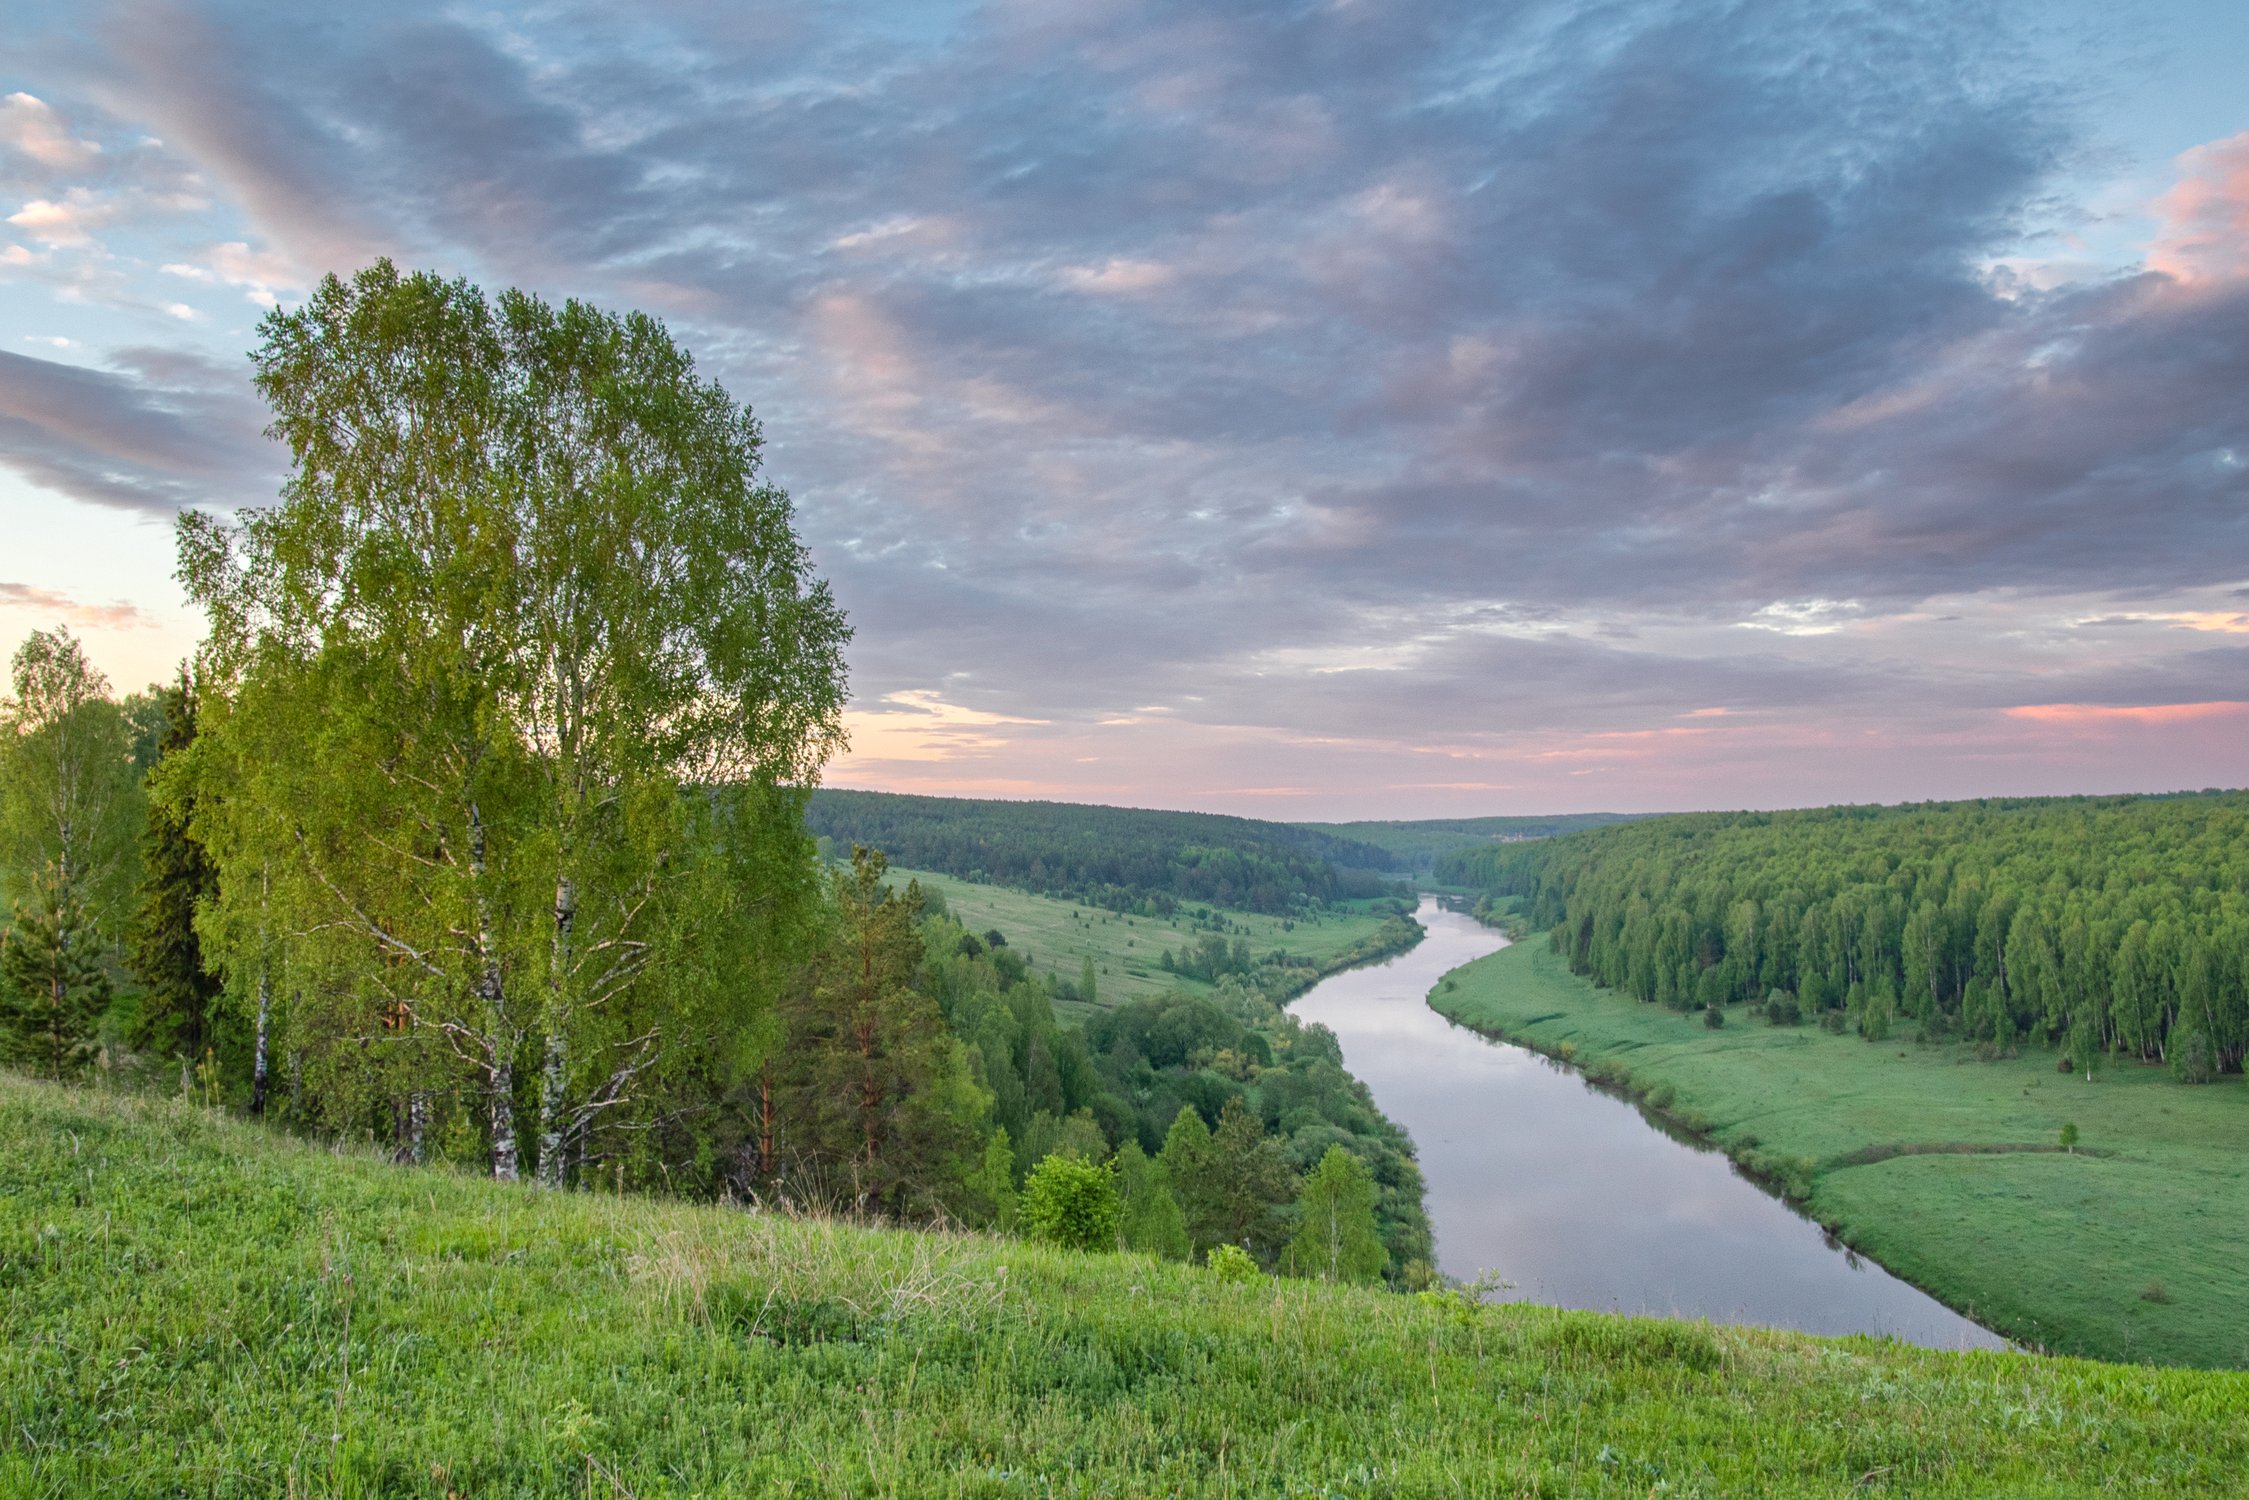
pixel 1575 1195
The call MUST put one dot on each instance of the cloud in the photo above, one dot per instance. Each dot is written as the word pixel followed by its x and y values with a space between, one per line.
pixel 30 127
pixel 1353 380
pixel 2205 217
pixel 2094 715
pixel 919 725
pixel 116 615
pixel 160 432
pixel 67 222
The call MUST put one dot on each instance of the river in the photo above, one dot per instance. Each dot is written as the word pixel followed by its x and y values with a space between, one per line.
pixel 1576 1196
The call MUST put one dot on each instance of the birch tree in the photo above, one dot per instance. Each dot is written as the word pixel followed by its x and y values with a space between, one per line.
pixel 543 657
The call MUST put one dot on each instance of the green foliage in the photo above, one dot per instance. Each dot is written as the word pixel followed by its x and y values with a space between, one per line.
pixel 53 986
pixel 1336 1238
pixel 178 1007
pixel 1418 845
pixel 2069 1135
pixel 1150 1220
pixel 511 690
pixel 884 1114
pixel 1071 1202
pixel 1231 1265
pixel 1122 859
pixel 70 798
pixel 991 1189
pixel 2102 925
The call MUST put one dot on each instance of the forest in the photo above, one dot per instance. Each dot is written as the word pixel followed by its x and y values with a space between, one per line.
pixel 1118 858
pixel 2105 927
pixel 1416 845
pixel 476 831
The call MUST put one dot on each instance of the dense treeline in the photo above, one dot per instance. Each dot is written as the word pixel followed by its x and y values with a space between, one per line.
pixel 1416 845
pixel 2113 926
pixel 477 830
pixel 1121 858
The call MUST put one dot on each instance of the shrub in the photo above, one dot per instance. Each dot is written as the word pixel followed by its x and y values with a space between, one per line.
pixel 1070 1202
pixel 1231 1263
pixel 1714 1015
pixel 1781 1008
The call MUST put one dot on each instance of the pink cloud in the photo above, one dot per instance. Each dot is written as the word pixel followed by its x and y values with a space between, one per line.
pixel 2090 714
pixel 2205 217
pixel 117 615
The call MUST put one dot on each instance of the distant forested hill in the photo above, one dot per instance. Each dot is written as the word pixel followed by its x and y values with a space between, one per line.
pixel 1417 845
pixel 1122 858
pixel 2111 926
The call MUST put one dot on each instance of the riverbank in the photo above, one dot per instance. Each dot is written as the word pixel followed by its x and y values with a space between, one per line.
pixel 200 1306
pixel 2137 1249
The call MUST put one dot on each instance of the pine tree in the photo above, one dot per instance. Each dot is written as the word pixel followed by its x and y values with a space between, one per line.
pixel 179 1004
pixel 53 988
pixel 881 1113
pixel 1336 1238
pixel 1086 982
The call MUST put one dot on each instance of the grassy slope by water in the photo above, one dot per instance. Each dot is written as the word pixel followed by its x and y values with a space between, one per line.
pixel 2050 1248
pixel 1126 951
pixel 195 1306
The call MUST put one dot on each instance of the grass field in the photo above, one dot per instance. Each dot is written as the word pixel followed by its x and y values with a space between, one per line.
pixel 193 1306
pixel 2136 1247
pixel 1060 935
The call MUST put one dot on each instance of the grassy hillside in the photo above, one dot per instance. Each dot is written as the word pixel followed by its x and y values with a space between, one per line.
pixel 2135 1247
pixel 1122 858
pixel 1061 935
pixel 1417 844
pixel 193 1306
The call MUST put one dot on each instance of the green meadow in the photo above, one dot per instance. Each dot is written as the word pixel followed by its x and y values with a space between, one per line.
pixel 196 1306
pixel 1946 1169
pixel 1127 950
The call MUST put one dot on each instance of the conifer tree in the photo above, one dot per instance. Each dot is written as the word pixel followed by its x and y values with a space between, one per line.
pixel 883 1112
pixel 179 999
pixel 53 988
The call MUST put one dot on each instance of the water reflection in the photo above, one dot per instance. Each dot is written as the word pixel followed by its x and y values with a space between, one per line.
pixel 1566 1190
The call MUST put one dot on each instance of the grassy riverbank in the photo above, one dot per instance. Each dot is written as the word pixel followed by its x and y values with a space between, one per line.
pixel 2135 1247
pixel 1127 950
pixel 195 1306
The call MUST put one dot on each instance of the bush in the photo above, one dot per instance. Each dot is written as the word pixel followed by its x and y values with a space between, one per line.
pixel 1231 1263
pixel 1070 1202
pixel 1714 1015
pixel 1781 1008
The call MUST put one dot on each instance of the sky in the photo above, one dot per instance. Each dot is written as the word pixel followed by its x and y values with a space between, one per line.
pixel 1314 410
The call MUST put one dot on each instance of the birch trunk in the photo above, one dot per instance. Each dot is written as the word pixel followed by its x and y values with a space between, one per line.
pixel 504 1160
pixel 258 1046
pixel 555 1078
pixel 492 995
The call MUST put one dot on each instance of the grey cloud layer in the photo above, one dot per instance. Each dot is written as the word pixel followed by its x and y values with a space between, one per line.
pixel 1109 346
pixel 162 431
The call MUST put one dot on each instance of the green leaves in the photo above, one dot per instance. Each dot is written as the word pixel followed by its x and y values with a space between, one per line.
pixel 519 676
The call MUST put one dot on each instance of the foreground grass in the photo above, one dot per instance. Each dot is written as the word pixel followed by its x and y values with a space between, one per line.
pixel 191 1306
pixel 2134 1248
pixel 1061 935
